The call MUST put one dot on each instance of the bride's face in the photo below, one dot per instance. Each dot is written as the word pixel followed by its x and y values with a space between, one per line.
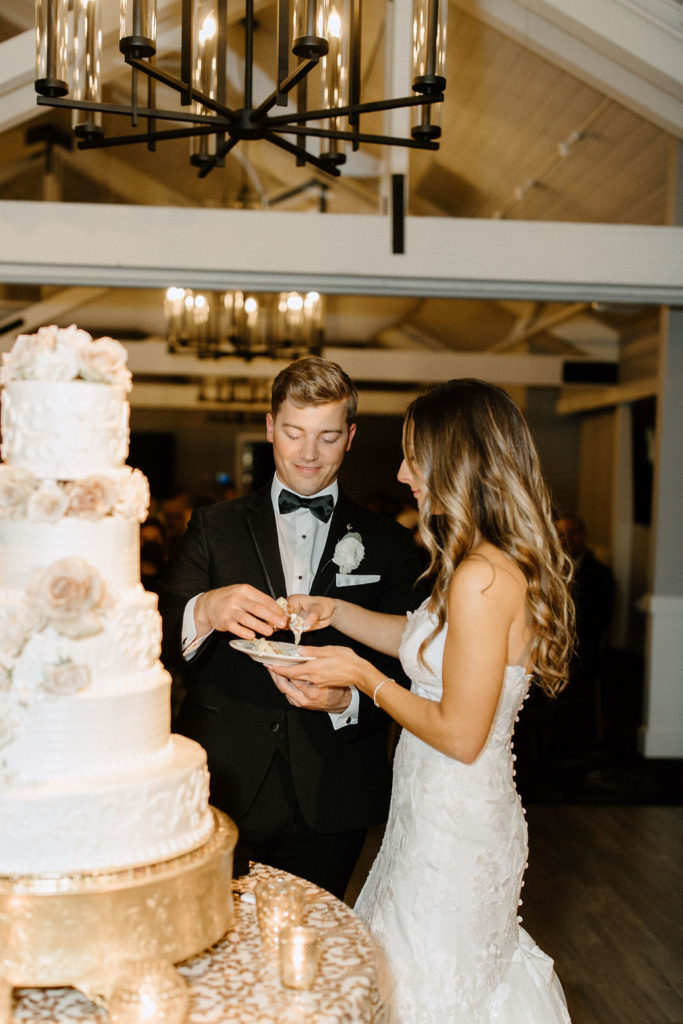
pixel 408 474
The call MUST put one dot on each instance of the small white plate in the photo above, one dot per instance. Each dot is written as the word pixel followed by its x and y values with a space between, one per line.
pixel 282 654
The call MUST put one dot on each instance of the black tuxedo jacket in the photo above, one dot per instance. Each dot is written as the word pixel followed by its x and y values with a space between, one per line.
pixel 342 778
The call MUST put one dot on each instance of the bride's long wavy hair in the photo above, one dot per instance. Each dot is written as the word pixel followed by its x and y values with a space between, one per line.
pixel 469 443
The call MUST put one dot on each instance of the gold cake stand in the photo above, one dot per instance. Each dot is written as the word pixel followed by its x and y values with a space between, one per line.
pixel 83 930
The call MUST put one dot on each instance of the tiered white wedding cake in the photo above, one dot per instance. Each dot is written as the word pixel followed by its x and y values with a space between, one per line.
pixel 90 776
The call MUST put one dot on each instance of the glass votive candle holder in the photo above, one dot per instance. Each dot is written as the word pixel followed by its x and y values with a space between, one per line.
pixel 299 949
pixel 278 905
pixel 149 992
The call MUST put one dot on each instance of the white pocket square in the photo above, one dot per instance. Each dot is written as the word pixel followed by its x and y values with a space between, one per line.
pixel 345 579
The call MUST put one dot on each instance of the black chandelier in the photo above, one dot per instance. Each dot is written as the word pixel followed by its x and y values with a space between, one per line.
pixel 321 34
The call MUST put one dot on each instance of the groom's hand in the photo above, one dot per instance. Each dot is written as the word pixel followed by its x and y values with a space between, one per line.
pixel 302 694
pixel 240 609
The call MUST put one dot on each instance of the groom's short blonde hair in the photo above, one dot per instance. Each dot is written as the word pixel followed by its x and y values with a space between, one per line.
pixel 314 381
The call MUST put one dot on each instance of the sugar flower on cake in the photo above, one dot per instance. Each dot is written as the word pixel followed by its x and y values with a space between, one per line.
pixel 105 360
pixel 64 679
pixel 349 552
pixel 48 503
pixel 66 353
pixel 52 353
pixel 70 596
pixel 16 486
pixel 90 498
pixel 15 630
pixel 23 494
pixel 132 496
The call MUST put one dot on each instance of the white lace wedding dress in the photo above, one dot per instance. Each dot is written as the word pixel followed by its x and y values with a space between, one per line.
pixel 443 895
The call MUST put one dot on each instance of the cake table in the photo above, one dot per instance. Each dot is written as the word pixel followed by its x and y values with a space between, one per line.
pixel 232 983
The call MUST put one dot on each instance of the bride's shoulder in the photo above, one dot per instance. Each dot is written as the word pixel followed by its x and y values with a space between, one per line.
pixel 486 570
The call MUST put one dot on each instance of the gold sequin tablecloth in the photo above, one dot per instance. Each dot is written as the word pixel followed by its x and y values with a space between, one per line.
pixel 231 983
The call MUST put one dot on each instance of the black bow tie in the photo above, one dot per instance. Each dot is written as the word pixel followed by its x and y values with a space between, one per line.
pixel 321 507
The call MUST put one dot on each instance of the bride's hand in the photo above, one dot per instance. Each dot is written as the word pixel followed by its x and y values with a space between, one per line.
pixel 301 693
pixel 331 667
pixel 316 612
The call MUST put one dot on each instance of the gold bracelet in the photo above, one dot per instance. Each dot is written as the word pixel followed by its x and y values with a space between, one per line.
pixel 377 689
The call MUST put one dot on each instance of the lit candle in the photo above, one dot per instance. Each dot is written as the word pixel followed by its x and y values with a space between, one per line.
pixel 149 992
pixel 278 904
pixel 299 956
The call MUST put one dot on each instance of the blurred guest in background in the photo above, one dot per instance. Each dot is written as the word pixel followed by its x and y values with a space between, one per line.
pixel 153 552
pixel 176 511
pixel 593 593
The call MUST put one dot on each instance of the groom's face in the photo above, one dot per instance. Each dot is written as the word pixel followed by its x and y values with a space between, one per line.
pixel 309 444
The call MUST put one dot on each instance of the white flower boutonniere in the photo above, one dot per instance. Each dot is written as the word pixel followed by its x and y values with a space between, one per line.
pixel 349 551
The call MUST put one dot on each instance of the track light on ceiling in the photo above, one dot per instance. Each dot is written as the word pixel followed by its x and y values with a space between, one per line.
pixel 318 54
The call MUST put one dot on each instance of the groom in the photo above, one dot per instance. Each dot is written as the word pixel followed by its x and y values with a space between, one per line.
pixel 303 772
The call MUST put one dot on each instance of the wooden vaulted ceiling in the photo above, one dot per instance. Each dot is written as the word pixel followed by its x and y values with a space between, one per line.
pixel 523 138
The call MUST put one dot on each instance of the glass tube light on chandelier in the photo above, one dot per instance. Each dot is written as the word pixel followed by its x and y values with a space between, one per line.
pixel 321 45
pixel 335 69
pixel 205 76
pixel 240 325
pixel 138 27
pixel 235 323
pixel 188 314
pixel 87 73
pixel 429 62
pixel 298 323
pixel 52 50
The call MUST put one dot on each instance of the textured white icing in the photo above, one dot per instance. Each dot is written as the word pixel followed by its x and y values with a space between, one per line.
pixel 108 822
pixel 91 733
pixel 64 430
pixel 110 545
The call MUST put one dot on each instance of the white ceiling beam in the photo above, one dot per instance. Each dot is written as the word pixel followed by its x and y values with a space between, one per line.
pixel 152 358
pixel 17 71
pixel 634 32
pixel 589 399
pixel 615 46
pixel 151 247
pixel 17 61
pixel 370 365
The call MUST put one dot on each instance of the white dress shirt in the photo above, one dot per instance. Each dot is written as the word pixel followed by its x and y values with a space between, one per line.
pixel 301 539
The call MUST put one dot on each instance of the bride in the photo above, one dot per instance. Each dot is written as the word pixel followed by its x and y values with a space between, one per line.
pixel 444 893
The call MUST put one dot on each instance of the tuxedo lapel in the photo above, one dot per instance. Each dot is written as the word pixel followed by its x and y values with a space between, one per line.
pixel 325 576
pixel 262 534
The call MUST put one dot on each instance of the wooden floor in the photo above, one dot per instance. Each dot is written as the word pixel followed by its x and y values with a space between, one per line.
pixel 604 897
